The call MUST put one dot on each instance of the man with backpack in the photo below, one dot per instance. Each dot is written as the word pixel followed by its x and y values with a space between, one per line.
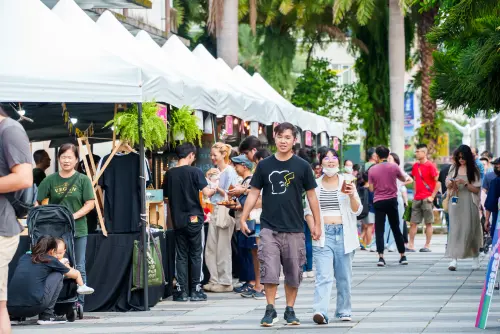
pixel 15 174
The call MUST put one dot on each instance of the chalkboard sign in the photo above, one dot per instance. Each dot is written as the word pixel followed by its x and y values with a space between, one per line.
pixel 203 160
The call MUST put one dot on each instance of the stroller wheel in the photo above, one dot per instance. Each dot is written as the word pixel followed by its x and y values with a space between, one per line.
pixel 79 311
pixel 71 315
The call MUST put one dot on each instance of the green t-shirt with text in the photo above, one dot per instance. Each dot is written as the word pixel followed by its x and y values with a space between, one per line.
pixel 54 186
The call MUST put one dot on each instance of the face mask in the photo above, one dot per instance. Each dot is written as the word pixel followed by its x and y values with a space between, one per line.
pixel 348 169
pixel 330 171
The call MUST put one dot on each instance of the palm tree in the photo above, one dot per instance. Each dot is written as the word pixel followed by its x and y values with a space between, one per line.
pixel 364 10
pixel 223 21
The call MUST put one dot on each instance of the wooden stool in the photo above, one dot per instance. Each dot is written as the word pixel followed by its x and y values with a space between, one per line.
pixel 155 212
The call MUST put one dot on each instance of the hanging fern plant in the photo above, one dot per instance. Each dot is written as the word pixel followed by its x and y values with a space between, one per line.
pixel 153 128
pixel 184 127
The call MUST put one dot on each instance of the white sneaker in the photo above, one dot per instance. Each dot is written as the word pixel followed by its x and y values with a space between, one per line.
pixel 310 274
pixel 345 318
pixel 305 275
pixel 453 265
pixel 475 263
pixel 84 290
pixel 373 249
pixel 392 248
pixel 277 295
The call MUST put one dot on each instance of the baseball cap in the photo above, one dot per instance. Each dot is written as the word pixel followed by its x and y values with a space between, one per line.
pixel 242 160
pixel 496 161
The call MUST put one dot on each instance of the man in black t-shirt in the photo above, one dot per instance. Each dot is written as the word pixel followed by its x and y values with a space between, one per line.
pixel 282 178
pixel 182 186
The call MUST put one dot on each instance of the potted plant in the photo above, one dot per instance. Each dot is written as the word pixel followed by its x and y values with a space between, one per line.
pixel 184 127
pixel 154 131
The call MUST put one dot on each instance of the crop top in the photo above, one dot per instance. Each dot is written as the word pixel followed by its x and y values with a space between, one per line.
pixel 329 202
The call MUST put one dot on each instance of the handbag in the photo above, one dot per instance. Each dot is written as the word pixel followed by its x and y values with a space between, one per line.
pixel 222 217
pixel 156 276
pixel 407 214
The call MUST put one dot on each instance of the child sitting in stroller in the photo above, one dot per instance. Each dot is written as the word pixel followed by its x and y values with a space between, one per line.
pixel 83 289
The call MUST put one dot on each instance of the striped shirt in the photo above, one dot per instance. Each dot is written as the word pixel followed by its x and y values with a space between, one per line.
pixel 329 202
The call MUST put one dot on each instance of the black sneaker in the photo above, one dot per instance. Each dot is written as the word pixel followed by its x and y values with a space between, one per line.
pixel 381 262
pixel 290 317
pixel 198 296
pixel 180 296
pixel 270 317
pixel 51 320
pixel 403 260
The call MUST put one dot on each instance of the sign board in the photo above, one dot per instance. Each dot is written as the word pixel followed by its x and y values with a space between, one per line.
pixel 489 283
pixel 409 114
pixel 229 125
pixel 162 112
pixel 308 139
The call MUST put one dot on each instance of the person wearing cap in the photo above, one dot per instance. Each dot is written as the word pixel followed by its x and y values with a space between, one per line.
pixel 246 245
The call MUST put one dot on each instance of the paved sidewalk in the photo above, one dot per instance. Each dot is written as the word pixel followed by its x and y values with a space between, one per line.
pixel 423 297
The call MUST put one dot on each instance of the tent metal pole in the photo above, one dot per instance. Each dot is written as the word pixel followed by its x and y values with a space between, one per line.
pixel 144 236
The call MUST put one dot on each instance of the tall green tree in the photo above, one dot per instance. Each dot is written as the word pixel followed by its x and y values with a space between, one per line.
pixel 467 66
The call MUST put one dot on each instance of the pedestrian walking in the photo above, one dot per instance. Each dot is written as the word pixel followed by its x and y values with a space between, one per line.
pixel 427 186
pixel 382 179
pixel 333 253
pixel 282 178
pixel 463 183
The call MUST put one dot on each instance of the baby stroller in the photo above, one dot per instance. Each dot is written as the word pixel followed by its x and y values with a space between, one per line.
pixel 57 221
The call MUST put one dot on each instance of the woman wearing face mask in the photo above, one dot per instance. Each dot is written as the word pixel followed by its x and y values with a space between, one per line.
pixel 333 252
pixel 463 183
pixel 348 167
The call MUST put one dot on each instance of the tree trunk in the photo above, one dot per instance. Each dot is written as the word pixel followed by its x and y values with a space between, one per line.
pixel 227 34
pixel 425 49
pixel 396 77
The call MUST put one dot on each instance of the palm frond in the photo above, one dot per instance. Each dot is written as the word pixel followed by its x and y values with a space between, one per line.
pixel 286 7
pixel 340 9
pixel 365 11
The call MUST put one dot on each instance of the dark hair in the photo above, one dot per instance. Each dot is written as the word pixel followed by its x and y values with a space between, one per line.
pixel 233 154
pixel 466 153
pixel 347 161
pixel 396 158
pixel 356 167
pixel 315 164
pixel 278 130
pixel 382 152
pixel 305 154
pixel 369 153
pixel 484 159
pixel 67 147
pixel 419 146
pixel 39 155
pixel 487 154
pixel 44 245
pixel 261 153
pixel 322 149
pixel 249 143
pixel 323 155
pixel 183 150
pixel 2 110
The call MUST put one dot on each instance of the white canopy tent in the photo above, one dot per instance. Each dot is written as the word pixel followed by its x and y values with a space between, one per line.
pixel 196 94
pixel 44 62
pixel 159 87
pixel 254 109
pixel 229 102
pixel 305 120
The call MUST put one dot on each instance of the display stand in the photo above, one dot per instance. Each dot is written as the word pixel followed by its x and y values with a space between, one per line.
pixel 489 283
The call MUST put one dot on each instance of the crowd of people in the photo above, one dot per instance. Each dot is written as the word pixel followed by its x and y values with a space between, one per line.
pixel 274 217
pixel 281 213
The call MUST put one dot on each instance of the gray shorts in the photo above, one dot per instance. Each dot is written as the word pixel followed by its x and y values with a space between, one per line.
pixel 422 211
pixel 280 248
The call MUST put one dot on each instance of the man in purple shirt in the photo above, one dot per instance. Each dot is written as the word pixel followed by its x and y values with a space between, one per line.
pixel 383 183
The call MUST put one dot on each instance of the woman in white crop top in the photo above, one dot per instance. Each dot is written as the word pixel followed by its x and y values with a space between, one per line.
pixel 334 251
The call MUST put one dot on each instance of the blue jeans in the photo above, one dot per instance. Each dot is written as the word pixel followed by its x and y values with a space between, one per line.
pixel 80 248
pixel 331 261
pixel 309 249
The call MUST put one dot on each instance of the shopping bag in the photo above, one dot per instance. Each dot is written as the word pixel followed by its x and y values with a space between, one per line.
pixel 156 276
pixel 407 214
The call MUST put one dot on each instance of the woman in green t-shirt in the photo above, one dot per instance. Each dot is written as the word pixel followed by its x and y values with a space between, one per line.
pixel 79 199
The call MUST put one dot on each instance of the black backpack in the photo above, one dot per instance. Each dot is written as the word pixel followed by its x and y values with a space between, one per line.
pixel 364 198
pixel 23 200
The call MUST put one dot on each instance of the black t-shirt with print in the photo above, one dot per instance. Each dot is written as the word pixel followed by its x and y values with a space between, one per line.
pixel 282 184
pixel 182 186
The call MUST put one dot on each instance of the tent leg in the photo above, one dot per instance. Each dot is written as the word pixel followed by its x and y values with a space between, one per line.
pixel 143 210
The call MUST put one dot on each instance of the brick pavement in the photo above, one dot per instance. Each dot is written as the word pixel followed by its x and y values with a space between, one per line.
pixel 423 297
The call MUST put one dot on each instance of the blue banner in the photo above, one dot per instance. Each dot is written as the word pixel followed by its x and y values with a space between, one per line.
pixel 409 114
